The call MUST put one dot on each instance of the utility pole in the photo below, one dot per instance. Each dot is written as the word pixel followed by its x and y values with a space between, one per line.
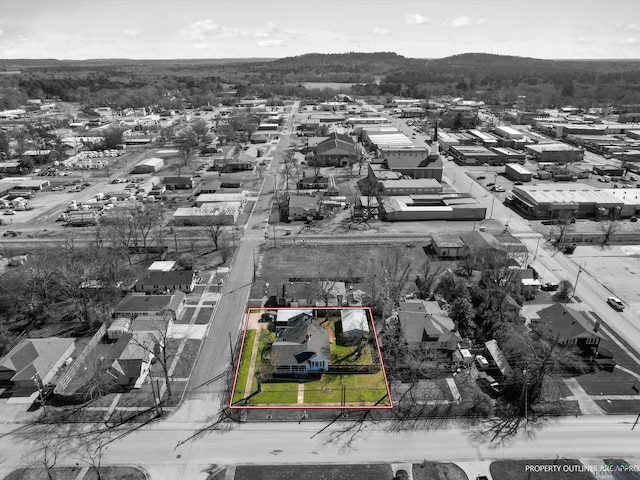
pixel 575 287
pixel 38 381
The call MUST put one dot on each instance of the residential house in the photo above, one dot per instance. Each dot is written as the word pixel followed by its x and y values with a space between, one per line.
pixel 510 308
pixel 178 183
pixel 32 358
pixel 130 357
pixel 301 348
pixel 313 182
pixel 137 303
pixel 498 357
pixel 570 327
pixel 286 317
pixel 157 281
pixel 355 323
pixel 303 207
pixel 425 325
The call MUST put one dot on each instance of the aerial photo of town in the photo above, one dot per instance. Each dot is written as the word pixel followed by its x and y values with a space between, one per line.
pixel 282 240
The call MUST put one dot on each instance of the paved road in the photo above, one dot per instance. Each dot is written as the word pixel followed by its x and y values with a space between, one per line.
pixel 204 398
pixel 155 448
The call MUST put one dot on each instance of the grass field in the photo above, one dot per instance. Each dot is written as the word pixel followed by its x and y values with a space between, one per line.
pixel 607 383
pixel 360 388
pixel 279 393
pixel 245 361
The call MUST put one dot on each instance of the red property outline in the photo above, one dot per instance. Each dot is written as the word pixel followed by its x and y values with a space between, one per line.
pixel 308 407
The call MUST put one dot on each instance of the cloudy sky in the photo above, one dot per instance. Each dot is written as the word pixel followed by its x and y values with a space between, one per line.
pixel 80 29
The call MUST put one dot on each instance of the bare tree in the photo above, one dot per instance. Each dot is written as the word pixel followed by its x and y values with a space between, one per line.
pixel 91 452
pixel 428 276
pixel 565 289
pixel 159 349
pixel 212 226
pixel 100 381
pixel 187 141
pixel 289 168
pixel 145 218
pixel 609 228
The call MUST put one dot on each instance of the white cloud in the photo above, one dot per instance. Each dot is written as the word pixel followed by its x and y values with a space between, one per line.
pixel 130 32
pixel 272 42
pixel 381 31
pixel 630 41
pixel 632 27
pixel 458 22
pixel 205 46
pixel 1 33
pixel 584 40
pixel 416 19
pixel 202 29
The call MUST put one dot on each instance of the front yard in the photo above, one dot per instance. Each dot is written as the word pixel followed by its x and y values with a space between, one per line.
pixel 359 388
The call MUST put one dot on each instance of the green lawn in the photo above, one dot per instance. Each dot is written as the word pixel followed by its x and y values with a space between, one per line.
pixel 359 388
pixel 245 362
pixel 281 393
pixel 345 355
pixel 601 382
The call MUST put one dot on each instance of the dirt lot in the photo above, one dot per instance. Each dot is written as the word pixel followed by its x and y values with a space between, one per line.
pixel 279 265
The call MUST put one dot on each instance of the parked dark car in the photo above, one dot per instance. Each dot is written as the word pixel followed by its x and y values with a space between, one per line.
pixel 267 317
pixel 493 389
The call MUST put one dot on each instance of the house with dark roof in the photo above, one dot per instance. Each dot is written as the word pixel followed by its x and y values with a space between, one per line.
pixel 425 325
pixel 130 357
pixel 141 304
pixel 157 281
pixel 336 150
pixel 570 327
pixel 302 207
pixel 177 183
pixel 301 348
pixel 33 357
pixel 313 182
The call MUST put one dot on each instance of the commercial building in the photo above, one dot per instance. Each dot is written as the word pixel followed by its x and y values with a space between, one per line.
pixel 474 155
pixel 555 152
pixel 416 162
pixel 448 206
pixel 486 138
pixel 419 186
pixel 517 172
pixel 336 150
pixel 149 165
pixel 219 213
pixel 207 199
pixel 508 132
pixel 578 201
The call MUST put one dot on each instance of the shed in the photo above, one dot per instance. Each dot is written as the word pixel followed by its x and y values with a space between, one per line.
pixel 118 327
pixel 354 322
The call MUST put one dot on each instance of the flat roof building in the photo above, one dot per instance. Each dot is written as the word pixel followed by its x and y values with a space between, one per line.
pixel 579 200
